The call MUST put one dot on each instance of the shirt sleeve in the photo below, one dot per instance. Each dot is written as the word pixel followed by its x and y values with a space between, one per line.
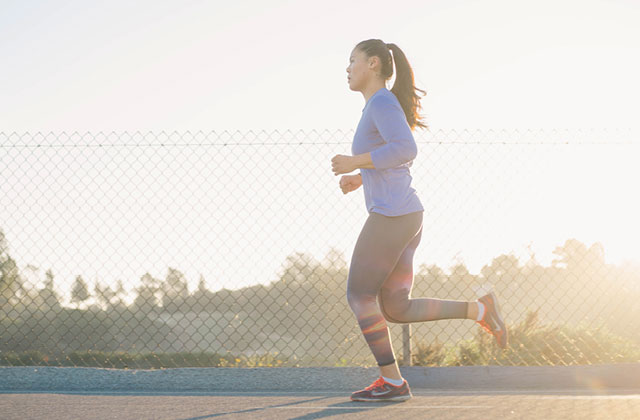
pixel 400 146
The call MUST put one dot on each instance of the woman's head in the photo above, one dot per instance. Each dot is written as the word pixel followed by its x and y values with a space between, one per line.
pixel 371 60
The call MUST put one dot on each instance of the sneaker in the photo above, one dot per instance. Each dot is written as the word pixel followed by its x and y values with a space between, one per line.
pixel 381 390
pixel 492 321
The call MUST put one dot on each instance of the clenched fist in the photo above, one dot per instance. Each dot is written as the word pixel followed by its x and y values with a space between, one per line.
pixel 350 183
pixel 342 164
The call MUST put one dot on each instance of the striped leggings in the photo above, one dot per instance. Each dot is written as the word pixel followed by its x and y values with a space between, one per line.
pixel 380 281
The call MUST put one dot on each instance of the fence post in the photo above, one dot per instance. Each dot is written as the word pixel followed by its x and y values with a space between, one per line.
pixel 406 344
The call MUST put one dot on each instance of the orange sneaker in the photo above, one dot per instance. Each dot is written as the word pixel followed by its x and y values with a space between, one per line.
pixel 492 321
pixel 381 390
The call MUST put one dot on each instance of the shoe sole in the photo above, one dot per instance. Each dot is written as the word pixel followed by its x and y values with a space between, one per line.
pixel 499 319
pixel 396 398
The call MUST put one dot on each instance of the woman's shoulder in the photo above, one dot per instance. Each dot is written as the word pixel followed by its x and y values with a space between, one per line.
pixel 384 100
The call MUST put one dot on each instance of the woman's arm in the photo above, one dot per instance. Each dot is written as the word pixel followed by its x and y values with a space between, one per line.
pixel 343 164
pixel 363 161
pixel 391 123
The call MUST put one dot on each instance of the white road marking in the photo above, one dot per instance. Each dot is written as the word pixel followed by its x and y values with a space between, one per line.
pixel 379 405
pixel 585 397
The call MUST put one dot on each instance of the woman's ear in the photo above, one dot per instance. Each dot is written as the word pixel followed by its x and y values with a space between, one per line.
pixel 374 62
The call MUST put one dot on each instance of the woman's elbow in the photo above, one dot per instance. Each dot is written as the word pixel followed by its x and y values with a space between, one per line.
pixel 411 152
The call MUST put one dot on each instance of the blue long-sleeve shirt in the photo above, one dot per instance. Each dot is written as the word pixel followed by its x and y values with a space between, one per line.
pixel 383 130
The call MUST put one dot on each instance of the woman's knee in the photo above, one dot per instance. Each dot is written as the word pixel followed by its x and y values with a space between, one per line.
pixel 388 317
pixel 396 318
pixel 393 308
pixel 358 300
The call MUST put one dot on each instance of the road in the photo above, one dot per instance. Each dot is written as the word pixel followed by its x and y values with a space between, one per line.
pixel 450 405
pixel 464 392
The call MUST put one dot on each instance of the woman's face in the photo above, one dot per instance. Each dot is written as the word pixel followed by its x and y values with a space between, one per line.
pixel 359 70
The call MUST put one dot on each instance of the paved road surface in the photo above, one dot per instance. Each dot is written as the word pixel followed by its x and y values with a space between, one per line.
pixel 561 405
pixel 465 392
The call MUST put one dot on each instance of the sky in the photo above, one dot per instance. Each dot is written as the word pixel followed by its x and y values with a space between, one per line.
pixel 213 65
pixel 250 66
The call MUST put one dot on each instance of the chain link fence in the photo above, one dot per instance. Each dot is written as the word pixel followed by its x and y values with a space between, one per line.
pixel 232 248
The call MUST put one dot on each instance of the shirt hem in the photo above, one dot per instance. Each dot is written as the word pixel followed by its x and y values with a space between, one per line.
pixel 395 214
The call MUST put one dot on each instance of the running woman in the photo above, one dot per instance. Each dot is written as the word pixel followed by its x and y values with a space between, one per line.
pixel 381 271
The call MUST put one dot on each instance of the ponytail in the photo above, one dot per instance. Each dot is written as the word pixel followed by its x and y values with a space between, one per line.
pixel 404 86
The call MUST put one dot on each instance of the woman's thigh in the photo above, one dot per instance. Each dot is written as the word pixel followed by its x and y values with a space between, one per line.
pixel 401 277
pixel 396 290
pixel 381 244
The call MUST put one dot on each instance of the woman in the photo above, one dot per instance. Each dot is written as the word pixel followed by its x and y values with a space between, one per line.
pixel 381 271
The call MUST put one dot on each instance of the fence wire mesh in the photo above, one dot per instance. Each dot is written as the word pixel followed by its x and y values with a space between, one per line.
pixel 232 248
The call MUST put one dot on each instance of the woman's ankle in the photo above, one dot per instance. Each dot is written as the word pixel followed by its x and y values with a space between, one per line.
pixel 472 310
pixel 391 371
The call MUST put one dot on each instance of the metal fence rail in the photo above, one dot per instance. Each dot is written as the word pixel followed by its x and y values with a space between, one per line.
pixel 232 248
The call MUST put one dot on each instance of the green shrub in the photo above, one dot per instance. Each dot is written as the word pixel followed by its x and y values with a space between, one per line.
pixel 531 343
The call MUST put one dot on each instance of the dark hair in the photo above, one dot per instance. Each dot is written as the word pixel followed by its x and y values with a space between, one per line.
pixel 404 87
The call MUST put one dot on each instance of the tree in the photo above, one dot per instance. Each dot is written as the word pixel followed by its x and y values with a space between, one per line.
pixel 202 285
pixel 335 259
pixel 502 265
pixel 460 274
pixel 175 289
pixel 575 256
pixel 298 268
pixel 200 300
pixel 104 294
pixel 10 281
pixel 119 294
pixel 432 274
pixel 79 292
pixel 48 298
pixel 147 298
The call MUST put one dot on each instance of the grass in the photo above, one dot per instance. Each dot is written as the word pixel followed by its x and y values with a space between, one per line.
pixel 123 360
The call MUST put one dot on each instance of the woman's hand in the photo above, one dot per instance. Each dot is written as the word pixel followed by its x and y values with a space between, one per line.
pixel 343 164
pixel 350 183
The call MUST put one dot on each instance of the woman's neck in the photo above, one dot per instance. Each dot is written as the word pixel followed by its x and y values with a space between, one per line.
pixel 371 89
